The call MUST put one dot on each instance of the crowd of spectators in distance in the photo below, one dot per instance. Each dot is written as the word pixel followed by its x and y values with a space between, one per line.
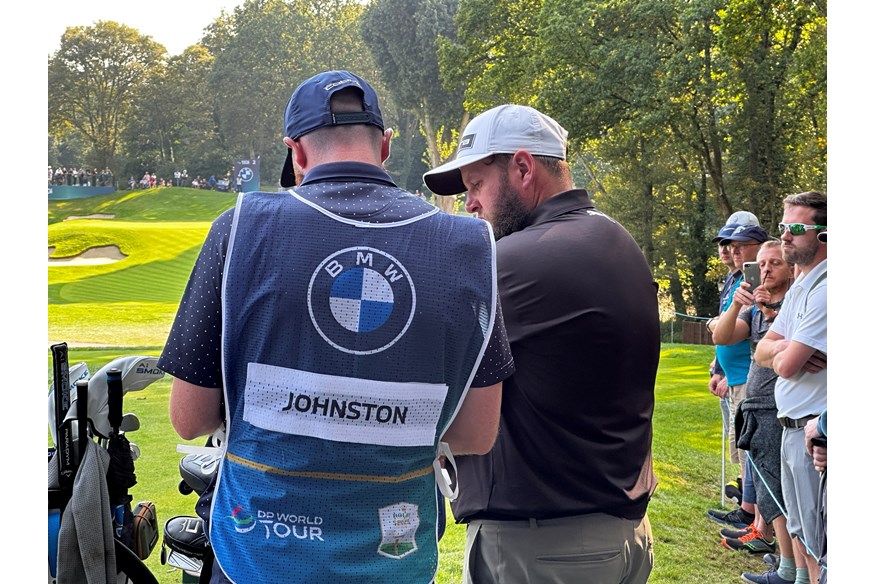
pixel 150 180
pixel 82 176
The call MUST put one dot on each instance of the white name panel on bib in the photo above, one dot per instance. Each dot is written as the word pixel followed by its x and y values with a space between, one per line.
pixel 342 409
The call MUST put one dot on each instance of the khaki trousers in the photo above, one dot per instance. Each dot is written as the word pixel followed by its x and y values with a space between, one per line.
pixel 592 549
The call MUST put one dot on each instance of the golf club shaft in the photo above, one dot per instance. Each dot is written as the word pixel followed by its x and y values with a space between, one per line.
pixel 114 389
pixel 61 373
pixel 82 417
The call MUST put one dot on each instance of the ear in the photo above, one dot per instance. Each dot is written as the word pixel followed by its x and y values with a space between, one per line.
pixel 522 168
pixel 298 154
pixel 385 144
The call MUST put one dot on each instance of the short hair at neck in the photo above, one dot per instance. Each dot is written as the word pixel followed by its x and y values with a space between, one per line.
pixel 324 139
pixel 556 167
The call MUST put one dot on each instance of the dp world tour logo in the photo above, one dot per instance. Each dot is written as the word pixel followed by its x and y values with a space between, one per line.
pixel 243 520
pixel 361 300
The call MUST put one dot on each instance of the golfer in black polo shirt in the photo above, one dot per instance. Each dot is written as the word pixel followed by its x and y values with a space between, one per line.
pixel 562 496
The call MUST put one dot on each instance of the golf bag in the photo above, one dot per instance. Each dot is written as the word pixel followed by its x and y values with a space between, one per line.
pixel 93 534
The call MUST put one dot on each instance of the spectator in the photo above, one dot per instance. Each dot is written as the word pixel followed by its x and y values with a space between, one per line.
pixel 718 381
pixel 735 361
pixel 352 320
pixel 749 317
pixel 796 348
pixel 132 182
pixel 571 467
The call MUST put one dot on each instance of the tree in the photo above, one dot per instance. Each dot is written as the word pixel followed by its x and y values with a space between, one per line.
pixel 402 36
pixel 764 41
pixel 173 123
pixel 93 78
pixel 271 47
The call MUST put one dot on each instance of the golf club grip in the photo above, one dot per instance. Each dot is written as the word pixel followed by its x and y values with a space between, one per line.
pixel 114 398
pixel 61 384
pixel 82 416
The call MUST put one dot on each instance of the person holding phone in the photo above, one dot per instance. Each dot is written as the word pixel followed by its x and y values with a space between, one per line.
pixel 735 360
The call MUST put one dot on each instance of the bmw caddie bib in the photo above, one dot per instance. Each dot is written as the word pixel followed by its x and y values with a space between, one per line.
pixel 348 346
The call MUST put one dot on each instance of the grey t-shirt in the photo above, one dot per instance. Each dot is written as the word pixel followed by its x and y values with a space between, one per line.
pixel 761 380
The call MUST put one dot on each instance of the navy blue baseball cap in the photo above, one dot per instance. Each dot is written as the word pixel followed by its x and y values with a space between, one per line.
pixel 747 233
pixel 724 233
pixel 309 109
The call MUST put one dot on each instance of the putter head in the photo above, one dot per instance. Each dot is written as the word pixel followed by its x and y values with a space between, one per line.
pixel 138 372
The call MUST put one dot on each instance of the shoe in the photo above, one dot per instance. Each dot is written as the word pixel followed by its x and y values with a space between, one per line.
pixel 736 533
pixel 753 542
pixel 738 518
pixel 734 492
pixel 771 560
pixel 771 576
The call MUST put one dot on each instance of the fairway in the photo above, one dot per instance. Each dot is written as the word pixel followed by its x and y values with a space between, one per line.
pixel 126 307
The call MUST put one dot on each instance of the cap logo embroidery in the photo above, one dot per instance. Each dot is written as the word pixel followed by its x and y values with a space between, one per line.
pixel 341 82
pixel 467 141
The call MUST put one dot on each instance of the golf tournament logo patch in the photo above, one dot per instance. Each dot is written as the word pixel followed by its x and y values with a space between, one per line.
pixel 361 300
pixel 398 527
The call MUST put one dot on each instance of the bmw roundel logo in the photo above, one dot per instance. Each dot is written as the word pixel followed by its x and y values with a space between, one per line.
pixel 361 300
pixel 245 174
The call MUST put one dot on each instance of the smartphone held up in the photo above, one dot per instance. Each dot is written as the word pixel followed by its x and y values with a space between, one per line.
pixel 751 274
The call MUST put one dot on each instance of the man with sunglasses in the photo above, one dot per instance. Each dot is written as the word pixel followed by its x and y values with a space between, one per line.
pixel 796 348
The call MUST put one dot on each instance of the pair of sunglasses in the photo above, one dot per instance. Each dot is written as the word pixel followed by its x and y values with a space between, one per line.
pixel 798 228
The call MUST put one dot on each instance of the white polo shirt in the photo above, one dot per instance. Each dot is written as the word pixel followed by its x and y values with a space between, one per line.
pixel 803 318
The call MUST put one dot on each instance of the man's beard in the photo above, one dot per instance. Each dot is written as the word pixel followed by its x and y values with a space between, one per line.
pixel 802 256
pixel 510 214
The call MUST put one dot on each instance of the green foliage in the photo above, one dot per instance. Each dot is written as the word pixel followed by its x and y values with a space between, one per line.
pixel 93 78
pixel 173 125
pixel 679 111
pixel 402 36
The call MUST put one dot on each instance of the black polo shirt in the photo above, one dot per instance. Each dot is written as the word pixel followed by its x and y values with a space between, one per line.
pixel 580 307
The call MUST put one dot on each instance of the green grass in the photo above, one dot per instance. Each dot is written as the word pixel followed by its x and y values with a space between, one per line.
pixel 127 308
pixel 158 204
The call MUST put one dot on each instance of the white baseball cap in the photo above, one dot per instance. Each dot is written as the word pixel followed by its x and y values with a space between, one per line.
pixel 742 218
pixel 502 130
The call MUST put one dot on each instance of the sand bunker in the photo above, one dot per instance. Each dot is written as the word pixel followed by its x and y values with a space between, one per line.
pixel 94 216
pixel 92 256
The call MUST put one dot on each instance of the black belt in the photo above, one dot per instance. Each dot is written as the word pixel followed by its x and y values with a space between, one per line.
pixel 798 423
